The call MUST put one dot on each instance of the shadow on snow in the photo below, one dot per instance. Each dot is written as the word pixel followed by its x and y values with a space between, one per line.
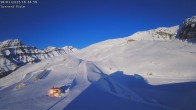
pixel 168 96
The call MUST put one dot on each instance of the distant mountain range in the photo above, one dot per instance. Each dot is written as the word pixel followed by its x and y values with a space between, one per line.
pixel 13 54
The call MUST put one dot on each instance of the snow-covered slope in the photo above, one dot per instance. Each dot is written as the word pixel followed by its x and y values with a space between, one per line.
pixel 151 70
pixel 84 84
pixel 13 54
pixel 160 58
pixel 153 75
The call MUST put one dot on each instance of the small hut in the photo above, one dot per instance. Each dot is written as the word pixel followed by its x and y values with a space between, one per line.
pixel 55 92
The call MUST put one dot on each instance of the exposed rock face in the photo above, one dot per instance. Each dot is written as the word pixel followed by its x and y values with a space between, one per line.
pixel 13 54
pixel 162 33
pixel 188 29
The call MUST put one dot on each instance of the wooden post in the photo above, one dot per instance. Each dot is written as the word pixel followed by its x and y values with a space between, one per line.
pixel 19 86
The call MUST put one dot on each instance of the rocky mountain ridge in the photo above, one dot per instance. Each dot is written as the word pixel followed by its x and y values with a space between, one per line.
pixel 13 54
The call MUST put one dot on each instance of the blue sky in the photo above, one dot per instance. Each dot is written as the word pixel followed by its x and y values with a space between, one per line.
pixel 83 22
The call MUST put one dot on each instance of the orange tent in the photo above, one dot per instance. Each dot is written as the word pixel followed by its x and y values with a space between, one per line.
pixel 55 92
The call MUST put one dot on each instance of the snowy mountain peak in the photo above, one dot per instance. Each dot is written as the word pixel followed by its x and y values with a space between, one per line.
pixel 50 48
pixel 67 49
pixel 191 20
pixel 13 54
pixel 188 29
pixel 161 33
pixel 70 48
pixel 11 43
pixel 185 31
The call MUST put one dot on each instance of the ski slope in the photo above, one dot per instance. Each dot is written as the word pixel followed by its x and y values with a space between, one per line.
pixel 71 74
pixel 153 75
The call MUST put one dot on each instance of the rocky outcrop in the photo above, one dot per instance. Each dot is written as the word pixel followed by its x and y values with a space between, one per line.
pixel 162 33
pixel 188 29
pixel 13 54
pixel 185 31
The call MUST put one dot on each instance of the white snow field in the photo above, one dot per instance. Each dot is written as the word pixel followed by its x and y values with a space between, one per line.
pixel 111 75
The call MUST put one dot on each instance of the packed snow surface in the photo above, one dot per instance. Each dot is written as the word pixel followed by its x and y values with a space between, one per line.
pixel 114 74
